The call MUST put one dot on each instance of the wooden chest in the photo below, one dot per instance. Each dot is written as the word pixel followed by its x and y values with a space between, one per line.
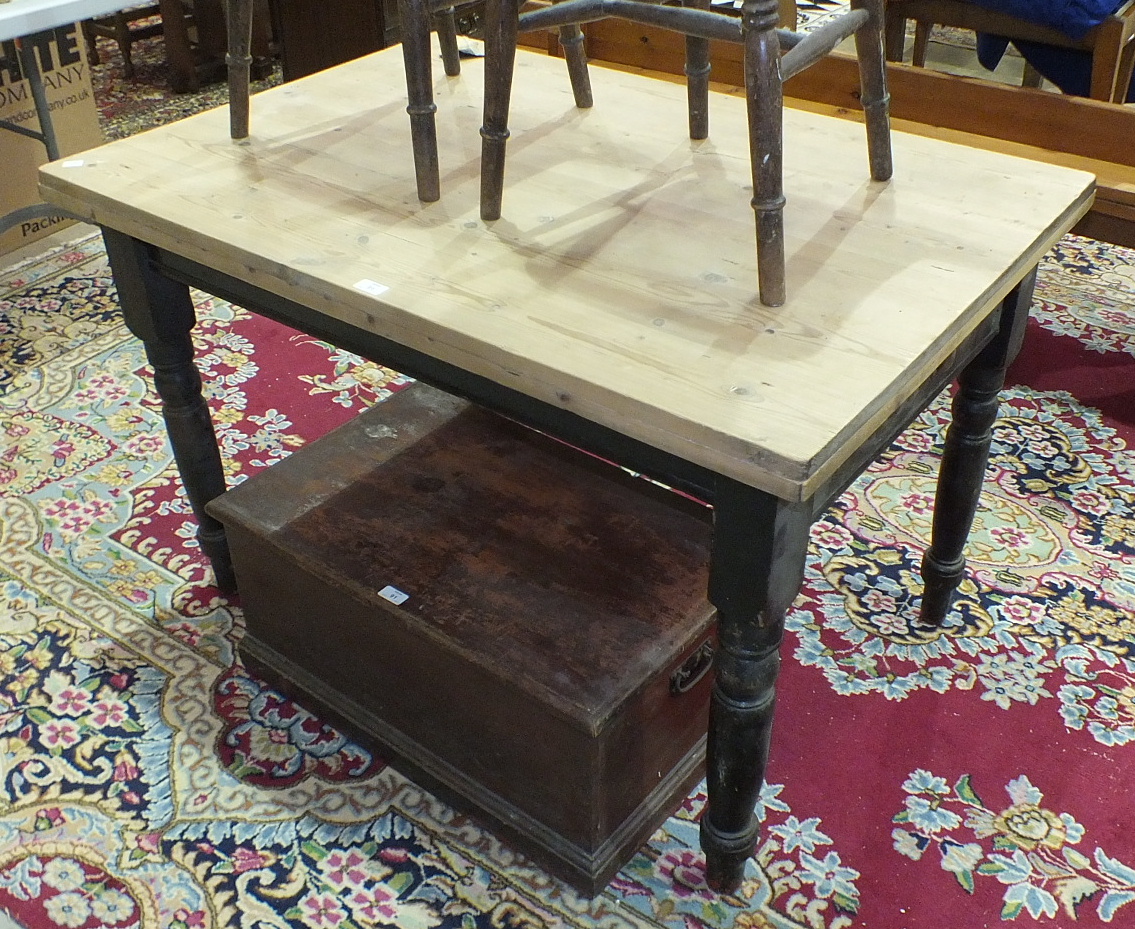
pixel 523 628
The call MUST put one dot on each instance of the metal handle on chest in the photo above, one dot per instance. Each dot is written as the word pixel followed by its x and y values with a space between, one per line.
pixel 692 670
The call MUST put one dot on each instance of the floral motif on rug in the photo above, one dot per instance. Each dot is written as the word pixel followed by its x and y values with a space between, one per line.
pixel 1048 611
pixel 1024 846
pixel 149 780
pixel 1077 267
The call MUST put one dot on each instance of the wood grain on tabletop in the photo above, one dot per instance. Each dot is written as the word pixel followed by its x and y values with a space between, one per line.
pixel 621 281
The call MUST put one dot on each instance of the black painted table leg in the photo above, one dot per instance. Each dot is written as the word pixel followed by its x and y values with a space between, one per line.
pixel 967 453
pixel 160 313
pixel 759 544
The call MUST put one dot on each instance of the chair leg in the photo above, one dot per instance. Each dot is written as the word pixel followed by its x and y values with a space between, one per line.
pixel 415 19
pixel 873 88
pixel 697 76
pixel 447 38
pixel 571 41
pixel 921 43
pixel 500 57
pixel 91 39
pixel 1123 74
pixel 766 104
pixel 1031 77
pixel 895 31
pixel 238 59
pixel 122 37
pixel 1109 63
pixel 183 75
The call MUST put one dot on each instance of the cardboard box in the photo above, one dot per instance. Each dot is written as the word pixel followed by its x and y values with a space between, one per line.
pixel 62 58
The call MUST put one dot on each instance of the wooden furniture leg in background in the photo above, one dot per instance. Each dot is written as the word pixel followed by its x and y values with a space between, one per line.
pixel 967 453
pixel 117 26
pixel 788 15
pixel 757 567
pixel 160 313
pixel 179 50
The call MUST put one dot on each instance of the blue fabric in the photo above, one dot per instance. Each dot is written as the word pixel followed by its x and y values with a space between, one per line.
pixel 1069 69
pixel 1072 17
pixel 990 50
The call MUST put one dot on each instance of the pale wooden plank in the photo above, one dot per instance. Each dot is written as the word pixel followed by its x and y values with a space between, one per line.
pixel 621 281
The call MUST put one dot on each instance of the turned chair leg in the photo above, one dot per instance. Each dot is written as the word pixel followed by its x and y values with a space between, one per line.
pixel 921 43
pixel 697 77
pixel 238 59
pixel 571 41
pixel 766 105
pixel 419 91
pixel 91 39
pixel 446 27
pixel 122 37
pixel 873 88
pixel 500 57
pixel 894 32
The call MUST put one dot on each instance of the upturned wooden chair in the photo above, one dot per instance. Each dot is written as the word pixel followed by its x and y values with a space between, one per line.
pixel 765 71
pixel 1111 43
pixel 419 18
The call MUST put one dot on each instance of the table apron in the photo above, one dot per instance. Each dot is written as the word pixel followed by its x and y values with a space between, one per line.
pixel 563 424
pixel 907 411
pixel 699 481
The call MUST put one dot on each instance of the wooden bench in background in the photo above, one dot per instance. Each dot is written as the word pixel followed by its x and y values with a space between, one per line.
pixel 1070 131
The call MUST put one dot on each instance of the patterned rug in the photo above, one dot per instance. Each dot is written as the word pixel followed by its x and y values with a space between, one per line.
pixel 947 779
pixel 964 778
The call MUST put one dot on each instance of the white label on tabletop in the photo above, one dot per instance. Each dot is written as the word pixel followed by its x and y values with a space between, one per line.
pixel 393 594
pixel 73 163
pixel 373 288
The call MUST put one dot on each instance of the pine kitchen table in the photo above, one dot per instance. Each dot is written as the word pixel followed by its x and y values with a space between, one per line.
pixel 613 306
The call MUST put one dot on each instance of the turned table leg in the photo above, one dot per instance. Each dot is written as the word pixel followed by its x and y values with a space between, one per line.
pixel 967 453
pixel 160 313
pixel 759 544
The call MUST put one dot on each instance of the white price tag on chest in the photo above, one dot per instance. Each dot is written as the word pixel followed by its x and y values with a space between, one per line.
pixel 393 594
